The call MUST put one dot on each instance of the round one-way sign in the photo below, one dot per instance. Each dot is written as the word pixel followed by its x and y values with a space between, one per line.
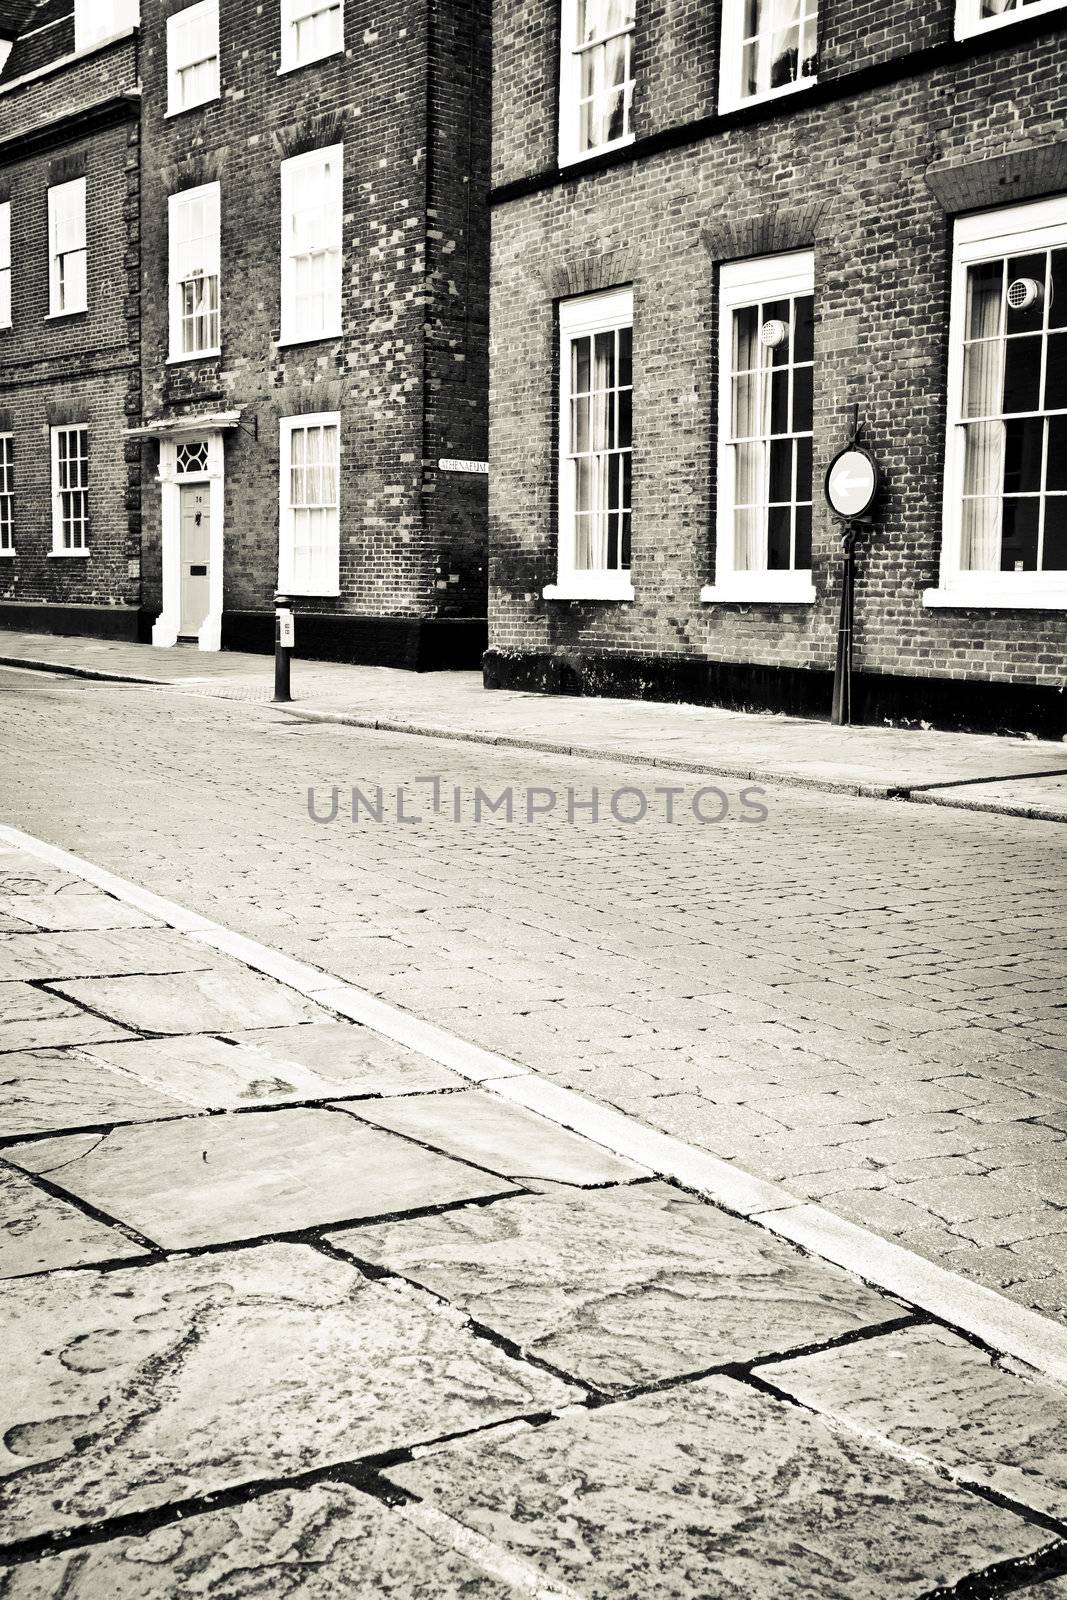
pixel 852 480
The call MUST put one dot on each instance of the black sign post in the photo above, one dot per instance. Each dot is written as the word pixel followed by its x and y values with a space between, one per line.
pixel 284 639
pixel 851 487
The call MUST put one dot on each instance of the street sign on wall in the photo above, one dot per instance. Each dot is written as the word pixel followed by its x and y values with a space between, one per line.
pixel 852 482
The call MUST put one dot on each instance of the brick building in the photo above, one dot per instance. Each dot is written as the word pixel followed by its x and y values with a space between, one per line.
pixel 69 362
pixel 311 242
pixel 717 229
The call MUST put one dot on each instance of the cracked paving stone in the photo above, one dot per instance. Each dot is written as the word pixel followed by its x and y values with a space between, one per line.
pixel 75 908
pixel 624 1286
pixel 86 955
pixel 48 1090
pixel 711 1489
pixel 304 1544
pixel 193 1002
pixel 32 1018
pixel 39 1233
pixel 269 1066
pixel 506 1139
pixel 930 1391
pixel 346 1058
pixel 131 1389
pixel 213 1180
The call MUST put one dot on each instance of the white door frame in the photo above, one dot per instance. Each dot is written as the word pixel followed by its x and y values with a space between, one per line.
pixel 168 624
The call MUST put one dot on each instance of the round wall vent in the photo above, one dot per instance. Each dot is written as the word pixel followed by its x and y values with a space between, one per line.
pixel 773 333
pixel 1024 293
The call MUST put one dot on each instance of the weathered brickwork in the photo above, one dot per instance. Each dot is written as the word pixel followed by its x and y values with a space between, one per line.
pixel 843 172
pixel 408 99
pixel 77 120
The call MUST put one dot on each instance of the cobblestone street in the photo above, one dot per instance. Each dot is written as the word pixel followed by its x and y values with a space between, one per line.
pixel 858 999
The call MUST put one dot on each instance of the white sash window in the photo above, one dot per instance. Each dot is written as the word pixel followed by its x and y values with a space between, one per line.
pixel 311 29
pixel 192 56
pixel 68 289
pixel 7 495
pixel 311 224
pixel 767 48
pixel 977 16
pixel 5 264
pixel 596 76
pixel 194 272
pixel 1005 516
pixel 70 490
pixel 310 492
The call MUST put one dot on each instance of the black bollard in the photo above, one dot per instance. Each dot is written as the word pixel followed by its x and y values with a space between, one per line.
pixel 284 640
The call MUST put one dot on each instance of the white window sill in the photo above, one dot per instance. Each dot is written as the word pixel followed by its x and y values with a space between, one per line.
pixel 728 103
pixel 8 555
pixel 591 586
pixel 308 594
pixel 75 311
pixel 574 158
pixel 306 338
pixel 970 30
pixel 761 588
pixel 991 598
pixel 68 555
pixel 179 111
pixel 195 355
pixel 295 66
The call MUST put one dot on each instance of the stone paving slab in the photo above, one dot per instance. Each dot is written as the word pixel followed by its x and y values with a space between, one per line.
pixel 192 1002
pixel 39 1233
pixel 32 1018
pixel 933 1392
pixel 506 1139
pixel 1029 797
pixel 304 1544
pixel 350 1058
pixel 712 1489
pixel 271 1066
pixel 85 910
pixel 48 1090
pixel 135 1388
pixel 627 1286
pixel 211 1180
pixel 99 953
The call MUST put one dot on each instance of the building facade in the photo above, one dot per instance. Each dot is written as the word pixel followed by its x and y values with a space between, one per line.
pixel 70 481
pixel 310 316
pixel 723 236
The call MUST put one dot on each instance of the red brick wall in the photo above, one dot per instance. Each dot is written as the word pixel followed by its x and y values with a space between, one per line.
pixel 882 248
pixel 409 310
pixel 82 367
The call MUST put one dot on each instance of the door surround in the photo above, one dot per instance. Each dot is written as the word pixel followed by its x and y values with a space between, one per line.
pixel 175 472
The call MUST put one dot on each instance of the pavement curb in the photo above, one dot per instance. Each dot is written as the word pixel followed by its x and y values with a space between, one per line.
pixel 997 1322
pixel 905 793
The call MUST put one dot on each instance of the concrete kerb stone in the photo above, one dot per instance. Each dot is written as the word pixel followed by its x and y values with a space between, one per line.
pixel 999 1323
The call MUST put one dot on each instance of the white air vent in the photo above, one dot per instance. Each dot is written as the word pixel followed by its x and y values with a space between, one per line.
pixel 773 333
pixel 1024 293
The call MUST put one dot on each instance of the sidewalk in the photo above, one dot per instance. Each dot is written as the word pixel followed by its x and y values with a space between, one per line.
pixel 306 1300
pixel 982 772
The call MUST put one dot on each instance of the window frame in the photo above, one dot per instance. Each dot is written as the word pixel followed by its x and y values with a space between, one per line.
pixel 731 38
pixel 291 171
pixel 606 311
pixel 570 90
pixel 288 583
pixel 744 283
pixel 176 21
pixel 59 547
pixel 6 274
pixel 986 236
pixel 175 204
pixel 7 494
pixel 122 16
pixel 55 277
pixel 293 12
pixel 968 23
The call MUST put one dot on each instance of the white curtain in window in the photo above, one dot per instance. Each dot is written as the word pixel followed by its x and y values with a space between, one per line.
pixel 983 473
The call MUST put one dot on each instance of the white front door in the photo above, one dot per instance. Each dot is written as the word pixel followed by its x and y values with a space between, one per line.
pixel 195 554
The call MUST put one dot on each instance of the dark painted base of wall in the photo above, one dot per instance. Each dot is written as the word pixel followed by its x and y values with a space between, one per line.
pixel 969 706
pixel 421 644
pixel 131 624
